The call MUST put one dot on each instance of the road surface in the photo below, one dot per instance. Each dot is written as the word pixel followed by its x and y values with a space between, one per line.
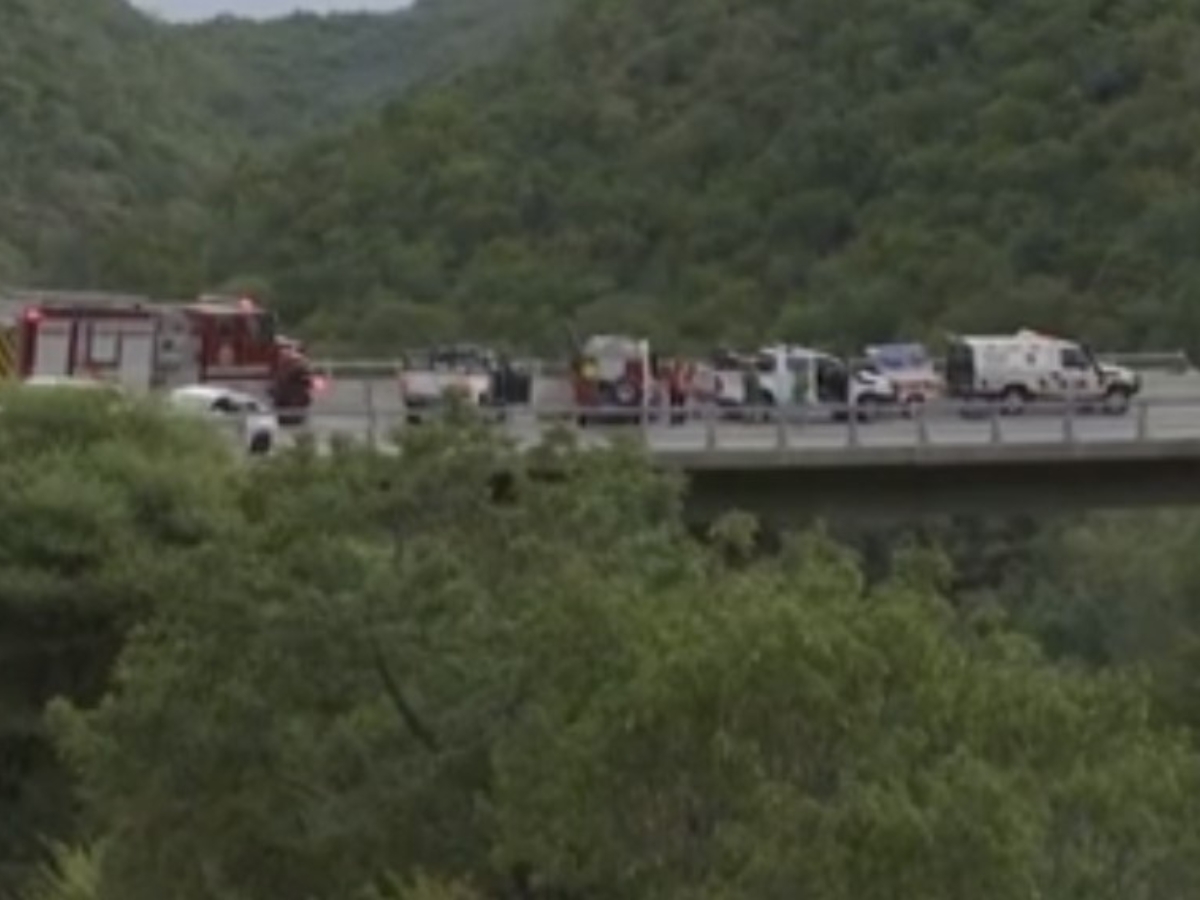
pixel 1173 413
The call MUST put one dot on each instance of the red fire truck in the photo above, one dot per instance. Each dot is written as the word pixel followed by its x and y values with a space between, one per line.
pixel 145 345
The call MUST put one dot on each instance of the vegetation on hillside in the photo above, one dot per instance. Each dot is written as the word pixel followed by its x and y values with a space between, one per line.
pixel 356 676
pixel 98 117
pixel 285 79
pixel 727 169
pixel 108 115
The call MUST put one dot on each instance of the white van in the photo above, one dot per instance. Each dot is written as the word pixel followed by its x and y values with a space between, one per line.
pixel 1016 370
pixel 799 376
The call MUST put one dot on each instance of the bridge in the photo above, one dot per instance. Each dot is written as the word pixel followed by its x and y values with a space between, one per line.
pixel 797 463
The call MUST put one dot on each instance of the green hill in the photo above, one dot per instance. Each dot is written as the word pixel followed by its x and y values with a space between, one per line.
pixel 285 78
pixel 107 116
pixel 96 115
pixel 830 170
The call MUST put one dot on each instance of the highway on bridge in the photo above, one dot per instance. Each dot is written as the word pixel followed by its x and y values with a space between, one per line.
pixel 934 463
pixel 357 409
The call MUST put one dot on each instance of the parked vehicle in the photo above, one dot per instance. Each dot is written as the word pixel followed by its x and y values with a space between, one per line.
pixel 246 417
pixel 621 378
pixel 144 345
pixel 1017 370
pixel 911 369
pixel 803 377
pixel 477 375
pixel 723 381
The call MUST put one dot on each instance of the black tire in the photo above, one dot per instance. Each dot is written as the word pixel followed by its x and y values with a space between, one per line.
pixel 767 407
pixel 1116 400
pixel 867 408
pixel 260 444
pixel 1013 400
pixel 626 393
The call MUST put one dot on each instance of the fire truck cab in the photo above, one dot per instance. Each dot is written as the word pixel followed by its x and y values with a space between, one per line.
pixel 142 345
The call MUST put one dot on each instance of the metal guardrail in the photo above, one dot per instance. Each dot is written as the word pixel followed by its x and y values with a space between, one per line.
pixel 1176 361
pixel 797 430
pixel 393 368
pixel 1166 361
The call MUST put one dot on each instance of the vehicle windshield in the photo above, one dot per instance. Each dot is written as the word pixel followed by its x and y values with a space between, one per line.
pixel 450 359
pixel 1075 357
pixel 1091 358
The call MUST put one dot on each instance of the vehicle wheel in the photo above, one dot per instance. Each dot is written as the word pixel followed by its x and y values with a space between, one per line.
pixel 1013 401
pixel 867 409
pixel 766 400
pixel 260 444
pixel 1116 401
pixel 626 393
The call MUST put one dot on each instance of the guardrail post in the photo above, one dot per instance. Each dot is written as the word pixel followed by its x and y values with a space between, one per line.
pixel 369 399
pixel 1069 419
pixel 997 436
pixel 922 425
pixel 852 424
pixel 399 376
pixel 780 426
pixel 710 426
pixel 1143 419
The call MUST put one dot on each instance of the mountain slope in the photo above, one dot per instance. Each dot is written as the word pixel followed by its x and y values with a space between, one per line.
pixel 829 170
pixel 98 116
pixel 108 116
pixel 279 79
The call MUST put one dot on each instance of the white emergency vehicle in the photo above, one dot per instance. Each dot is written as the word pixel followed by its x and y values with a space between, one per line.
pixel 799 376
pixel 245 417
pixel 1027 367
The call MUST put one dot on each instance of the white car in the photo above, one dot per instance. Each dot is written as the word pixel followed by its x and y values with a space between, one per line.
pixel 252 421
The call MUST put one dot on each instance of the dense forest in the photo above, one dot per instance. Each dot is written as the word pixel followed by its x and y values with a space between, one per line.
pixel 827 170
pixel 350 678
pixel 356 676
pixel 721 170
pixel 108 116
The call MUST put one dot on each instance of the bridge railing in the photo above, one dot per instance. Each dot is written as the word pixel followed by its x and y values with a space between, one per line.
pixel 796 429
pixel 1175 361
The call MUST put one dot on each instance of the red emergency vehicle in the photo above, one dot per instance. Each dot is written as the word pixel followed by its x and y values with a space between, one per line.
pixel 145 345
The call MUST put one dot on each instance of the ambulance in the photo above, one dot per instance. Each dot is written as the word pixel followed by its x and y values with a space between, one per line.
pixel 1028 367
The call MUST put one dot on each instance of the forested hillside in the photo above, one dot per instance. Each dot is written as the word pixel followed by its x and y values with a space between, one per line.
pixel 826 169
pixel 99 113
pixel 288 78
pixel 106 114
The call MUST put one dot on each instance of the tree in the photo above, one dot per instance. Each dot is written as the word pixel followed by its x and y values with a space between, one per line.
pixel 520 674
pixel 95 495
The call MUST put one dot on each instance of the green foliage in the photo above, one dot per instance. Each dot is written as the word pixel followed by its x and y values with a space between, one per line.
pixel 288 78
pixel 1118 590
pixel 113 124
pixel 732 169
pixel 411 677
pixel 72 873
pixel 94 495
